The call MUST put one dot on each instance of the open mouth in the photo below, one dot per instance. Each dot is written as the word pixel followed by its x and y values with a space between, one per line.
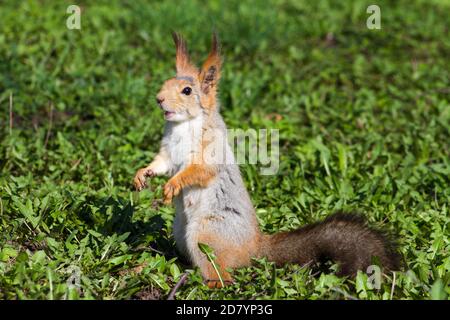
pixel 168 114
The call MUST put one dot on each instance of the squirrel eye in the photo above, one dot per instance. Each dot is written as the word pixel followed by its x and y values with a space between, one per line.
pixel 187 91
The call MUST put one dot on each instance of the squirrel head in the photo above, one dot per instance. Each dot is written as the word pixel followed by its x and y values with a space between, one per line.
pixel 191 91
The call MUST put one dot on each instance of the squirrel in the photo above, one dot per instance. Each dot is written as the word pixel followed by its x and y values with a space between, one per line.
pixel 212 204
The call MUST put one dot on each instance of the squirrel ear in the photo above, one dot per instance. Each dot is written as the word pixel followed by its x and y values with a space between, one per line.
pixel 210 73
pixel 182 57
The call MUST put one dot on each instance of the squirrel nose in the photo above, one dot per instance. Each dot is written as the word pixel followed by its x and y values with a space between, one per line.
pixel 159 100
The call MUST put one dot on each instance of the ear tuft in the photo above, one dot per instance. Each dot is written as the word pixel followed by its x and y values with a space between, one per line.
pixel 215 47
pixel 210 73
pixel 182 56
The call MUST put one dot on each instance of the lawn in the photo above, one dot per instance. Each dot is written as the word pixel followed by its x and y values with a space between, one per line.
pixel 363 118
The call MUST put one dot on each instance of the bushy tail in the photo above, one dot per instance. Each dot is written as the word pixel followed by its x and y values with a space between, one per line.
pixel 343 238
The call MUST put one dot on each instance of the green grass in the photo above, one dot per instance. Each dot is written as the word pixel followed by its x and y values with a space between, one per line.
pixel 364 126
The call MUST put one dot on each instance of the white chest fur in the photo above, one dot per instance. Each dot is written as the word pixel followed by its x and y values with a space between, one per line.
pixel 182 141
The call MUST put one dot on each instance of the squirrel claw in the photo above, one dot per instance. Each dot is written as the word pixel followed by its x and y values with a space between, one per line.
pixel 139 178
pixel 171 189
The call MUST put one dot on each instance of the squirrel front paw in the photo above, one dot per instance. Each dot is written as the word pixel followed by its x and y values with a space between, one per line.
pixel 139 178
pixel 171 189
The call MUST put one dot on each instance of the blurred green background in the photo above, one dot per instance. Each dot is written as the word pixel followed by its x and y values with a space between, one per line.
pixel 364 123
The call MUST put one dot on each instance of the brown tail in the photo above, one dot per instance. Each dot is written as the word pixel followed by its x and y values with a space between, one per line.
pixel 343 238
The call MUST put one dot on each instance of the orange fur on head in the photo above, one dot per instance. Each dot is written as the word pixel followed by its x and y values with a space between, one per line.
pixel 207 78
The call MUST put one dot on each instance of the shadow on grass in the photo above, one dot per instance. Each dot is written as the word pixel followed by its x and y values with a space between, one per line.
pixel 115 216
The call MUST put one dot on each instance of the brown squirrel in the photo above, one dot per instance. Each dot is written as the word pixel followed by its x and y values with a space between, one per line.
pixel 212 204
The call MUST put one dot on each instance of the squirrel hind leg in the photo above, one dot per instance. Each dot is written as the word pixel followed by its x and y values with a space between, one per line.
pixel 213 275
pixel 227 256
